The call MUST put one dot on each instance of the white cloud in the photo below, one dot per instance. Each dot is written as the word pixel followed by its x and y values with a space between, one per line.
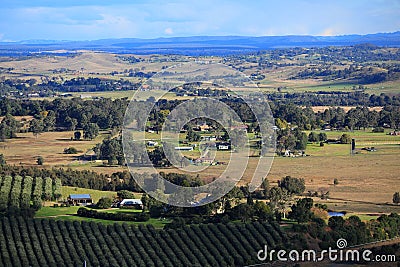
pixel 150 19
pixel 168 31
pixel 328 32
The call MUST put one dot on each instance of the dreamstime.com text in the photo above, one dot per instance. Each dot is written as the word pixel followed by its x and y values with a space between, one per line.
pixel 334 255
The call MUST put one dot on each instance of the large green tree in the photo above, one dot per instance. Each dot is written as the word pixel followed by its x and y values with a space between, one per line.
pixel 396 198
pixel 36 127
pixel 301 211
pixel 293 185
pixel 345 139
pixel 111 150
pixel 9 127
pixel 90 131
pixel 2 160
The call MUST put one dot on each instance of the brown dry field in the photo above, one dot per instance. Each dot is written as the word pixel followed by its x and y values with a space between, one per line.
pixel 365 177
pixel 98 64
pixel 25 149
pixel 87 61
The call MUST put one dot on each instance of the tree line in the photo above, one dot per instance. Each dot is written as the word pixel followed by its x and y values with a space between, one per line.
pixel 73 114
pixel 98 181
pixel 322 98
pixel 119 216
pixel 355 118
pixel 48 86
pixel 19 193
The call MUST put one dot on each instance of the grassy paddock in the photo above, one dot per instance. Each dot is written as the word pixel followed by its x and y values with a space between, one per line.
pixel 116 210
pixel 69 213
pixel 25 149
pixel 55 212
pixel 95 194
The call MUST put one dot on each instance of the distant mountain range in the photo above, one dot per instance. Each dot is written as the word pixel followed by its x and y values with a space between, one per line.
pixel 197 45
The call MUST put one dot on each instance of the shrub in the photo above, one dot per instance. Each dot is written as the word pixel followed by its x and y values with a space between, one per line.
pixel 70 150
pixel 345 139
pixel 123 194
pixel 135 217
pixel 104 203
pixel 378 130
pixel 40 160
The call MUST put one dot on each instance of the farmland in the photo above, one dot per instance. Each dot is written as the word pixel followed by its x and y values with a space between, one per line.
pixel 67 243
pixel 25 149
pixel 95 194
pixel 359 177
pixel 61 125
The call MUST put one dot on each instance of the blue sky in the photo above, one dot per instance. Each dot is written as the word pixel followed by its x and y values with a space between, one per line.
pixel 100 19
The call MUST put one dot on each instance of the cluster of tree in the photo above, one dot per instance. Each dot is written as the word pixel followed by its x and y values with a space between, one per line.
pixel 43 123
pixel 105 114
pixel 293 185
pixel 314 137
pixel 68 114
pixel 323 98
pixel 230 207
pixel 301 211
pixel 345 139
pixel 355 118
pixel 98 181
pixel 83 179
pixel 192 136
pixel 51 86
pixel 194 89
pixel 119 216
pixel 357 232
pixel 68 243
pixel 199 214
pixel 360 74
pixel 111 150
pixel 352 229
pixel 125 194
pixel 288 139
pixel 9 127
pixel 153 183
pixel 129 59
pixel 361 54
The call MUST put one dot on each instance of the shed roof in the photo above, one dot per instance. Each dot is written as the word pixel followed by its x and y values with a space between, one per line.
pixel 80 196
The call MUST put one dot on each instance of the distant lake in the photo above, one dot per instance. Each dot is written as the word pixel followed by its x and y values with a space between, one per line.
pixel 335 213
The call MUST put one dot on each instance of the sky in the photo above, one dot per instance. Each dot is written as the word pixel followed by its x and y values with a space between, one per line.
pixel 103 19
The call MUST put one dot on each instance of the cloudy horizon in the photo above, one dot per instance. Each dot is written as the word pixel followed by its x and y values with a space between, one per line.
pixel 93 20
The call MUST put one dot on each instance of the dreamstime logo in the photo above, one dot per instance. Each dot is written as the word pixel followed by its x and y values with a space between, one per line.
pixel 341 243
pixel 341 254
pixel 243 93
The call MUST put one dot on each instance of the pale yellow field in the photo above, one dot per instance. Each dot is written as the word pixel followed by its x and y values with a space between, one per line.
pixel 25 149
pixel 100 65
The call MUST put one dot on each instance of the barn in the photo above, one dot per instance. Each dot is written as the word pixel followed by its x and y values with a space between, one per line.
pixel 80 199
